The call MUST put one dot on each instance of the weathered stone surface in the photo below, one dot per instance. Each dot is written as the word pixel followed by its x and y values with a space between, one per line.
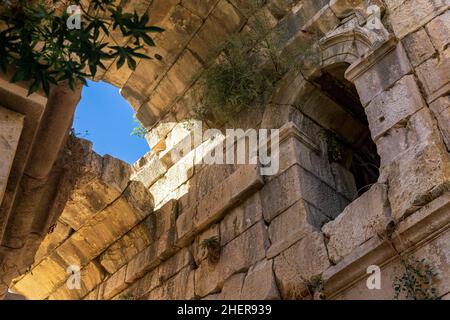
pixel 60 233
pixel 297 265
pixel 11 124
pixel 418 176
pixel 245 181
pixel 47 275
pixel 115 284
pixel 110 177
pixel 434 75
pixel 91 276
pixel 215 30
pixel 123 250
pixel 201 8
pixel 393 106
pixel 150 172
pixel 292 225
pixel 364 218
pixel 178 174
pixel 345 181
pixel 141 264
pixel 232 287
pixel 441 110
pixel 260 283
pixel 417 129
pixel 179 287
pixel 439 31
pixel 418 46
pixel 210 278
pixel 240 219
pixel 376 79
pixel 406 17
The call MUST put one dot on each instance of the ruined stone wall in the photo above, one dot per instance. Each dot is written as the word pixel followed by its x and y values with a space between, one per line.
pixel 139 233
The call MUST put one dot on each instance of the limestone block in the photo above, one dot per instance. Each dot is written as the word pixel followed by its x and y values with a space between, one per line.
pixel 211 208
pixel 238 255
pixel 179 287
pixel 297 265
pixel 393 106
pixel 436 254
pixel 110 178
pixel 392 4
pixel 441 110
pixel 389 68
pixel 439 30
pixel 125 248
pixel 280 193
pixel 240 219
pixel 343 8
pixel 232 287
pixel 260 283
pixel 107 226
pixel 143 262
pixel 435 75
pixel 405 18
pixel 202 8
pixel 46 277
pixel 161 273
pixel 417 129
pixel 115 284
pixel 290 226
pixel 60 233
pixel 150 172
pixel 184 72
pixel 91 277
pixel 298 150
pixel 181 172
pixel 419 47
pixel 237 187
pixel 11 125
pixel 418 176
pixel 363 219
pixel 223 20
pixel 345 181
pixel 209 177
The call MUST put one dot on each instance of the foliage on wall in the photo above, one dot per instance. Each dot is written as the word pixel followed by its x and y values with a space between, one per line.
pixel 38 41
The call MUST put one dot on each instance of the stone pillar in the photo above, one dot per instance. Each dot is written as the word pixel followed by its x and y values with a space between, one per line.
pixel 415 162
pixel 11 125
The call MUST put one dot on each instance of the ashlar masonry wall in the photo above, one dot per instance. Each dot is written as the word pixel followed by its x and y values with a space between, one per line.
pixel 167 229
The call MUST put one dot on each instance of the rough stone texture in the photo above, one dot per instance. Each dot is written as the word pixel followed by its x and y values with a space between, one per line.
pixel 406 17
pixel 434 75
pixel 259 284
pixel 439 30
pixel 419 47
pixel 441 110
pixel 274 233
pixel 393 106
pixel 298 264
pixel 11 124
pixel 366 217
pixel 210 278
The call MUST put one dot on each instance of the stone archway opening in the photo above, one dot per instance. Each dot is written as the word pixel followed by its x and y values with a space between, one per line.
pixel 355 152
pixel 104 117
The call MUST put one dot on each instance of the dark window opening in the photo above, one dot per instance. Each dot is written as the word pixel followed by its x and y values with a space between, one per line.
pixel 359 157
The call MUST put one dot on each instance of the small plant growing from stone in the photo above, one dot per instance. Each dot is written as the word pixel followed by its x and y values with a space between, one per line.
pixel 246 72
pixel 316 287
pixel 416 282
pixel 212 246
pixel 139 130
pixel 127 296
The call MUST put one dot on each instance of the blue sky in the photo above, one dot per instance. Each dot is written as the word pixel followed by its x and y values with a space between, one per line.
pixel 104 117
